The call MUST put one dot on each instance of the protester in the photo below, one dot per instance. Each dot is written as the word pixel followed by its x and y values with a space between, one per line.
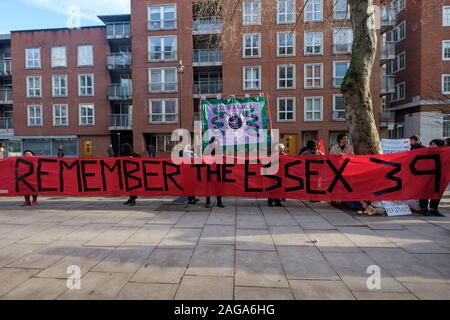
pixel 214 142
pixel 127 151
pixel 188 153
pixel 447 142
pixel 433 204
pixel 151 151
pixel 277 201
pixel 342 147
pixel 29 153
pixel 415 143
pixel 311 149
pixel 111 153
pixel 60 153
pixel 3 154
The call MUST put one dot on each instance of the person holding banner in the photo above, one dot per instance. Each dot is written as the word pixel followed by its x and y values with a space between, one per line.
pixel 416 143
pixel 311 149
pixel 277 201
pixel 188 153
pixel 215 143
pixel 342 147
pixel 29 153
pixel 127 151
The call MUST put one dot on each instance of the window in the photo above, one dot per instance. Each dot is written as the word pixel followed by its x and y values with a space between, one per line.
pixel 286 110
pixel 86 85
pixel 162 17
pixel 33 58
pixel 313 75
pixel 163 48
pixel 286 76
pixel 342 40
pixel 286 44
pixel 446 50
pixel 251 12
pixel 446 126
pixel 60 115
pixel 59 57
pixel 252 78
pixel 446 16
pixel 399 63
pixel 34 87
pixel 339 107
pixel 313 108
pixel 163 80
pixel 399 5
pixel 286 11
pixel 163 111
pixel 59 86
pixel 313 10
pixel 339 71
pixel 163 143
pixel 313 42
pixel 446 83
pixel 341 10
pixel 399 92
pixel 86 56
pixel 87 115
pixel 252 45
pixel 34 115
pixel 399 32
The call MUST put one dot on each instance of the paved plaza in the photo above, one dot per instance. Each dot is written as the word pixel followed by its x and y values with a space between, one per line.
pixel 163 250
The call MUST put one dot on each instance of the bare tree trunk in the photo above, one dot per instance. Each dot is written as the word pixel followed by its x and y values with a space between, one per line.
pixel 356 85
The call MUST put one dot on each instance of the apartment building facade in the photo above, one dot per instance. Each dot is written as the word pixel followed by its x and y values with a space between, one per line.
pixel 421 101
pixel 141 76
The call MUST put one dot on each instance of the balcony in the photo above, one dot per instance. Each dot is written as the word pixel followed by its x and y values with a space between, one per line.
pixel 118 30
pixel 387 117
pixel 387 85
pixel 342 48
pixel 206 25
pixel 6 96
pixel 119 61
pixel 207 57
pixel 6 124
pixel 388 18
pixel 119 122
pixel 119 92
pixel 5 68
pixel 208 87
pixel 387 51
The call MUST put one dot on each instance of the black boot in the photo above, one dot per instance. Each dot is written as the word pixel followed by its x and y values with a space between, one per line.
pixel 436 213
pixel 128 202
pixel 132 203
pixel 425 212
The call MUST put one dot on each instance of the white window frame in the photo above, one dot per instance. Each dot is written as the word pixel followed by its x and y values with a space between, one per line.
pixel 34 95
pixel 252 18
pixel 396 62
pixel 54 107
pixel 294 109
pixel 443 84
pixel 395 97
pixel 445 23
pixel 59 88
pixel 335 110
pixel 55 57
pixel 334 72
pixel 400 7
pixel 161 14
pixel 312 3
pixel 41 118
pixel 80 107
pixel 251 80
pixel 163 77
pixel 313 78
pixel 286 34
pixel 86 87
pixel 294 76
pixel 349 44
pixel 396 35
pixel 444 42
pixel 163 114
pixel 336 12
pixel 162 38
pixel 80 53
pixel 314 32
pixel 34 63
pixel 252 47
pixel 321 109
pixel 444 121
pixel 286 14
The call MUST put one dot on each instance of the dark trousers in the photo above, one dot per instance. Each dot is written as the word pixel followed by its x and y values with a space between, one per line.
pixel 434 204
pixel 191 199
pixel 208 200
pixel 274 200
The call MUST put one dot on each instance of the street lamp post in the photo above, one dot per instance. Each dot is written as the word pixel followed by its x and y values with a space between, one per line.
pixel 180 69
pixel 118 142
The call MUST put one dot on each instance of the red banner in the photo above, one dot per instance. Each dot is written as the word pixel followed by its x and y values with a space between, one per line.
pixel 411 175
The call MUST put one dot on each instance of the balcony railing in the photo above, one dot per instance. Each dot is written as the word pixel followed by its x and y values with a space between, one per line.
pixel 387 116
pixel 119 92
pixel 206 25
pixel 119 61
pixel 388 18
pixel 119 30
pixel 5 67
pixel 208 87
pixel 119 122
pixel 387 84
pixel 6 123
pixel 207 56
pixel 342 48
pixel 388 51
pixel 6 96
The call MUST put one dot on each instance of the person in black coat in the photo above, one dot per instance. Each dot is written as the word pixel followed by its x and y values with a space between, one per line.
pixel 127 151
pixel 415 143
pixel 219 198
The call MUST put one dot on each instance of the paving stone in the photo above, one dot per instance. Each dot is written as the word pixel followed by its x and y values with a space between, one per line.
pixel 320 290
pixel 221 218
pixel 148 291
pixel 254 239
pixel 332 241
pixel 149 234
pixel 365 237
pixel 205 288
pixel 26 231
pixel 192 220
pixel 170 218
pixel 313 222
pixel 432 233
pixel 181 238
pixel 376 295
pixel 87 232
pixel 212 260
pixel 410 242
pixel 51 234
pixel 126 259
pixel 339 218
pixel 112 237
pixel 380 223
pixel 430 291
pixel 248 293
pixel 247 221
pixel 279 219
pixel 439 262
pixel 15 251
pixel 214 234
pixel 6 242
pixel 38 289
pixel 289 236
pixel 11 278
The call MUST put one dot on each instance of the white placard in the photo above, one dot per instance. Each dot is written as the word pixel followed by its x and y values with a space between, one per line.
pixel 395 145
pixel 396 208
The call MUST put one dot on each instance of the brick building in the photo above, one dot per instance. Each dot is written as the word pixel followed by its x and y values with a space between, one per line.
pixel 123 82
pixel 421 101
